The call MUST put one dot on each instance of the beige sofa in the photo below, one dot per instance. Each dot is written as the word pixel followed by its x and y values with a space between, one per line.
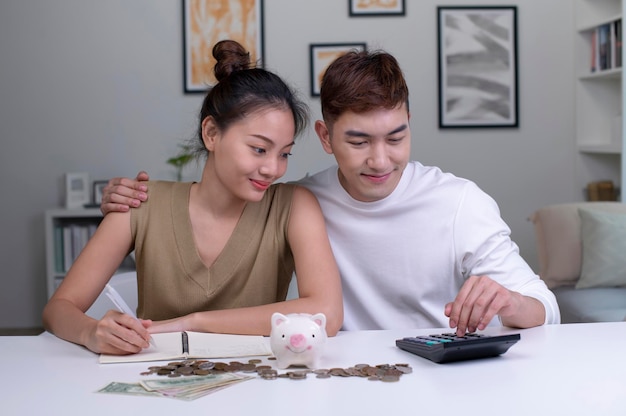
pixel 582 258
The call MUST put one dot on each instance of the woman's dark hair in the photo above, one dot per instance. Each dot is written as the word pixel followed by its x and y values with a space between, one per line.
pixel 242 89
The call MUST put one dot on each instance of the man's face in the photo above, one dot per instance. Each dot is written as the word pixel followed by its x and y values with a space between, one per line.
pixel 372 149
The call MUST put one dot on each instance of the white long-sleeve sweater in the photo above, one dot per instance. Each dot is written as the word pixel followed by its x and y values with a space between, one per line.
pixel 404 257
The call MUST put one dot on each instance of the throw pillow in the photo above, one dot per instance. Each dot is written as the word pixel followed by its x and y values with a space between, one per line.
pixel 603 249
pixel 557 233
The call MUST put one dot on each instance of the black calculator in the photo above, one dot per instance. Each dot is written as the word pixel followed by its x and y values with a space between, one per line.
pixel 445 348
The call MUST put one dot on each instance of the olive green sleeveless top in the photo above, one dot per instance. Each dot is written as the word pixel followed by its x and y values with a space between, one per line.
pixel 254 268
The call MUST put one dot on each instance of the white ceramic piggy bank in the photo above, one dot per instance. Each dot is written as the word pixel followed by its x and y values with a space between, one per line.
pixel 298 339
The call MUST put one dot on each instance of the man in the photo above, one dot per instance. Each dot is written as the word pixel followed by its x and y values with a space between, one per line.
pixel 416 247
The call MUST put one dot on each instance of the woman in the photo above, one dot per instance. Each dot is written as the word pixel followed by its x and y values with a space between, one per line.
pixel 216 255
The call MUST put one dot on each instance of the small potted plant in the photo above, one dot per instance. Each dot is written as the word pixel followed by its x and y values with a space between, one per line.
pixel 184 156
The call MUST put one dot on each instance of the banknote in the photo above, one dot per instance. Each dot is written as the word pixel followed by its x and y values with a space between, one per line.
pixel 188 388
pixel 191 382
pixel 133 389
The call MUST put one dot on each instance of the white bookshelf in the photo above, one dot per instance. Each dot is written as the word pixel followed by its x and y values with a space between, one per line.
pixel 599 96
pixel 58 220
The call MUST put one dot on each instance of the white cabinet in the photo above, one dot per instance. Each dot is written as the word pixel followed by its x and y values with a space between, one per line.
pixel 599 91
pixel 67 231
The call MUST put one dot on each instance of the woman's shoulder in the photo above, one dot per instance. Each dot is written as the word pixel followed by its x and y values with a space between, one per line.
pixel 289 191
pixel 281 188
pixel 161 193
pixel 159 187
pixel 168 184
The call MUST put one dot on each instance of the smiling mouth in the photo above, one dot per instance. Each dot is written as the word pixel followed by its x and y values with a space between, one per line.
pixel 377 178
pixel 262 185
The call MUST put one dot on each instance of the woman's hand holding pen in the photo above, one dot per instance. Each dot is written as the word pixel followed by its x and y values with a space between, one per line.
pixel 118 333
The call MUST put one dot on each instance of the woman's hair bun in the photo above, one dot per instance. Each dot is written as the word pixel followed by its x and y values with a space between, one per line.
pixel 230 57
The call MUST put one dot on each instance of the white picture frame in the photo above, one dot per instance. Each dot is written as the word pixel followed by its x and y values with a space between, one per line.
pixel 76 190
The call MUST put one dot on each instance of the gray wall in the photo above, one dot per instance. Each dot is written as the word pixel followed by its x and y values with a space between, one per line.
pixel 96 86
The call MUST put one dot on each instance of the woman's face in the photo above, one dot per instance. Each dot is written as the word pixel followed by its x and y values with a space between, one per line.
pixel 252 153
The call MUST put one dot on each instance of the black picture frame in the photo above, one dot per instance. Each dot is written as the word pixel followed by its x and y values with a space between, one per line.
pixel 198 61
pixel 361 8
pixel 322 54
pixel 98 187
pixel 477 62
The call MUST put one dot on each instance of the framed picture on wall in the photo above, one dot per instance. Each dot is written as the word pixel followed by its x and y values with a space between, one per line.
pixel 322 54
pixel 478 81
pixel 206 22
pixel 376 7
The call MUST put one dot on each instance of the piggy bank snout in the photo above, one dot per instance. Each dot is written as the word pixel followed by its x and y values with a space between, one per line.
pixel 297 340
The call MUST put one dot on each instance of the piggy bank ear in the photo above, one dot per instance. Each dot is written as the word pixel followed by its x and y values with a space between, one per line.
pixel 278 318
pixel 319 319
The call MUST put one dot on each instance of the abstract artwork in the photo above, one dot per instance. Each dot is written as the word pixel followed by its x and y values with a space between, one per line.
pixel 206 22
pixel 478 83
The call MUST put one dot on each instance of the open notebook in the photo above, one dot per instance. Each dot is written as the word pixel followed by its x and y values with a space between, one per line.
pixel 195 345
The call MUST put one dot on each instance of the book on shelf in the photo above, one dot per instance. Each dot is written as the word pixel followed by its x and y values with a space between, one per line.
pixel 69 240
pixel 68 257
pixel 594 48
pixel 195 345
pixel 58 252
pixel 604 47
pixel 617 34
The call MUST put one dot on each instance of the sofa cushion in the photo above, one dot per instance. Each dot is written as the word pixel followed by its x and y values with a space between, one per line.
pixel 603 249
pixel 601 304
pixel 559 242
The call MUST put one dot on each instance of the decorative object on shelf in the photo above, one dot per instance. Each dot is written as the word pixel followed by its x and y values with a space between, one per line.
pixel 478 82
pixel 322 54
pixel 359 8
pixel 98 186
pixel 205 23
pixel 76 190
pixel 184 156
pixel 601 191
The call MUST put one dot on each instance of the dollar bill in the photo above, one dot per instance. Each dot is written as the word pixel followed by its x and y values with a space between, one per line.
pixel 188 388
pixel 133 389
pixel 191 388
pixel 191 382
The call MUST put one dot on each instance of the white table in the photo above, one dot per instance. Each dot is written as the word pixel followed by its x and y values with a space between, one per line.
pixel 574 369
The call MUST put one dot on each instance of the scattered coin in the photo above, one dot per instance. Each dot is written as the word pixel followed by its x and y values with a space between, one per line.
pixel 297 375
pixel 382 372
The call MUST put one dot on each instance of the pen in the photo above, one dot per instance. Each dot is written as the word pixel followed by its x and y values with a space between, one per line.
pixel 122 306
